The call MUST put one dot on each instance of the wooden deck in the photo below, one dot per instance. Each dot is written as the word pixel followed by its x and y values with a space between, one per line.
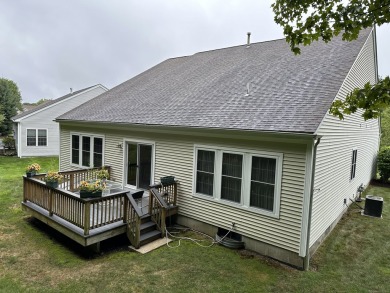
pixel 90 221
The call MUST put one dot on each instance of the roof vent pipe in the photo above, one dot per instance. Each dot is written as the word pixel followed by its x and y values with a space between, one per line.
pixel 248 43
pixel 247 89
pixel 71 90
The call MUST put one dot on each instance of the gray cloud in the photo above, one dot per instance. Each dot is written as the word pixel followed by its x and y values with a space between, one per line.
pixel 46 46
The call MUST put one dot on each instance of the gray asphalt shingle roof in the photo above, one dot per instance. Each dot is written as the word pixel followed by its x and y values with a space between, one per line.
pixel 287 93
pixel 48 103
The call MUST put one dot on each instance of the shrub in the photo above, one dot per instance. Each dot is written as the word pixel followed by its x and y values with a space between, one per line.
pixel 9 142
pixel 384 164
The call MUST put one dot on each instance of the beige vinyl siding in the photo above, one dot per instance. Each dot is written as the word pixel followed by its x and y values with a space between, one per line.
pixel 174 155
pixel 334 154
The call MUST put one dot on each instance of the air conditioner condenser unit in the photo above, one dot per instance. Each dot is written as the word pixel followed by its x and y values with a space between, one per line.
pixel 373 206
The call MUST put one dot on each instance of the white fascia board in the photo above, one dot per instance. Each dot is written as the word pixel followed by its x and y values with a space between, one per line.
pixel 59 102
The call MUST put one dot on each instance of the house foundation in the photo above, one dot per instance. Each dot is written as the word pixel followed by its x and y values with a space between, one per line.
pixel 280 254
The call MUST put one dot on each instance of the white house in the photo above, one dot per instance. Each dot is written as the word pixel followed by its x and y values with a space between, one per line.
pixel 247 133
pixel 35 131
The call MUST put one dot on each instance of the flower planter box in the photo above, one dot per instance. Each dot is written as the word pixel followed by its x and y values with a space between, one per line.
pixel 89 194
pixel 31 174
pixel 53 184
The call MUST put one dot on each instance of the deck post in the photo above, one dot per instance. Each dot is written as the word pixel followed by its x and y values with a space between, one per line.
pixel 163 220
pixel 24 189
pixel 50 202
pixel 87 213
pixel 125 209
pixel 150 203
pixel 174 193
pixel 71 183
pixel 95 247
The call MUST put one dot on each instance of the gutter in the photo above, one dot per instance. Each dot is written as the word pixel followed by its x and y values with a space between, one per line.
pixel 306 260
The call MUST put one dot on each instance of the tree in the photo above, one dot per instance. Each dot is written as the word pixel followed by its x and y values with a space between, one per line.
pixel 41 101
pixel 306 21
pixel 10 100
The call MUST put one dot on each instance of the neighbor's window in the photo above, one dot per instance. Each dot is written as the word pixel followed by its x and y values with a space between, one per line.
pixel 353 164
pixel 87 150
pixel 205 172
pixel 42 137
pixel 242 178
pixel 36 137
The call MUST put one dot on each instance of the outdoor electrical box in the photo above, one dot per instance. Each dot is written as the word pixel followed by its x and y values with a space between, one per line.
pixel 373 206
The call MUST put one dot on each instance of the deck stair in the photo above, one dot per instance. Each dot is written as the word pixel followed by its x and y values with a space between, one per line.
pixel 145 228
pixel 148 230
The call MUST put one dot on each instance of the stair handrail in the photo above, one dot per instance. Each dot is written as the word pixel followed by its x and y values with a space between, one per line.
pixel 158 209
pixel 170 188
pixel 132 218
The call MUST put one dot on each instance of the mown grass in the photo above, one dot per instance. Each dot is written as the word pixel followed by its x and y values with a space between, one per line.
pixel 33 257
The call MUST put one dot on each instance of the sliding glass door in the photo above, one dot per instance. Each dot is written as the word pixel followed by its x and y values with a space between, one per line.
pixel 139 165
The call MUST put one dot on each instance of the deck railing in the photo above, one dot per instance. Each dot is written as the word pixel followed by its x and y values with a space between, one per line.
pixel 158 209
pixel 168 192
pixel 132 218
pixel 72 179
pixel 86 214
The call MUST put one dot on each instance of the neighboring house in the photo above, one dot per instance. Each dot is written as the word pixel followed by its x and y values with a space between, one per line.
pixel 35 131
pixel 246 132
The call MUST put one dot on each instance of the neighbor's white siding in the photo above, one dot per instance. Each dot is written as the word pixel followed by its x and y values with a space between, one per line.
pixel 44 120
pixel 175 156
pixel 334 154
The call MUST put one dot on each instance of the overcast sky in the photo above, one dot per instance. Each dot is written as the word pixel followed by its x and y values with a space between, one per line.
pixel 48 46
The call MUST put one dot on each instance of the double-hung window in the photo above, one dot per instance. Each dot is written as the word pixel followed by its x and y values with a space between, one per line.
pixel 36 137
pixel 262 189
pixel 87 150
pixel 353 164
pixel 205 172
pixel 242 178
pixel 231 183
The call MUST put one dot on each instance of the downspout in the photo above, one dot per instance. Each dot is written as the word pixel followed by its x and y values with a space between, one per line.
pixel 306 260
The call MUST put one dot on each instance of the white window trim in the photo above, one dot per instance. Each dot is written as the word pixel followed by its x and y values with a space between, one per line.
pixel 246 177
pixel 92 136
pixel 36 137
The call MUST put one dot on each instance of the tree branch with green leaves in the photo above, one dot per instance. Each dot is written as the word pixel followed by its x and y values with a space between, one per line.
pixel 305 21
pixel 373 99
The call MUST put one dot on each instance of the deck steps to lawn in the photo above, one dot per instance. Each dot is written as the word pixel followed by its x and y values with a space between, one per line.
pixel 148 231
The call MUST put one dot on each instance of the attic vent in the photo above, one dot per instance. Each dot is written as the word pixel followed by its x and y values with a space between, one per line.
pixel 248 43
pixel 247 89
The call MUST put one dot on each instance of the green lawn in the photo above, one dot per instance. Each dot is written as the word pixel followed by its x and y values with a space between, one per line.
pixel 354 258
